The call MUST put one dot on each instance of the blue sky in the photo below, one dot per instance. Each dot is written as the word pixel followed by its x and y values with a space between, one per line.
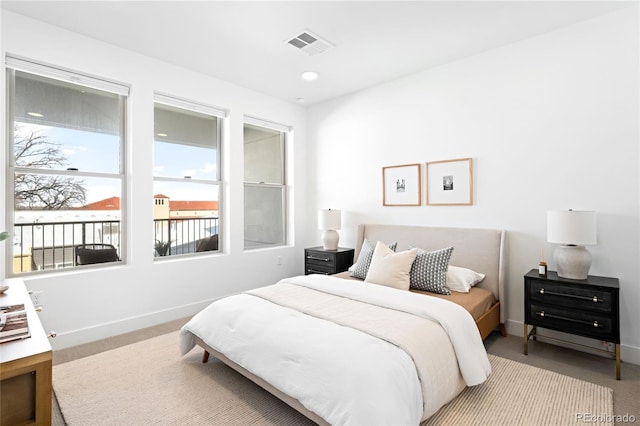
pixel 98 152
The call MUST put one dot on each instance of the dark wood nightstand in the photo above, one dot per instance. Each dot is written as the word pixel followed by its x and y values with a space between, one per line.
pixel 317 260
pixel 588 308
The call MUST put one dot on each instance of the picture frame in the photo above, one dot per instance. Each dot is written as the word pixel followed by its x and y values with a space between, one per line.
pixel 401 185
pixel 450 182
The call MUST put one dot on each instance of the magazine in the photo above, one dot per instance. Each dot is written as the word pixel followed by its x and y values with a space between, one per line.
pixel 13 323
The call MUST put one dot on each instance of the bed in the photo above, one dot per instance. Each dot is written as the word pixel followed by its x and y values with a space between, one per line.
pixel 477 249
pixel 344 351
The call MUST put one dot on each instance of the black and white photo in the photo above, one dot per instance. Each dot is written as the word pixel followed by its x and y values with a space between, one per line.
pixel 450 182
pixel 401 185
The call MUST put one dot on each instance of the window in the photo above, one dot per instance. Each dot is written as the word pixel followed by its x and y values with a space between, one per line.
pixel 66 153
pixel 186 186
pixel 264 184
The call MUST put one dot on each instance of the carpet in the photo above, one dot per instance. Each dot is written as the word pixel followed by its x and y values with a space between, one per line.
pixel 149 383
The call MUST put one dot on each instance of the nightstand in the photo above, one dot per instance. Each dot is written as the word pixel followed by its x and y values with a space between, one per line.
pixel 317 260
pixel 588 308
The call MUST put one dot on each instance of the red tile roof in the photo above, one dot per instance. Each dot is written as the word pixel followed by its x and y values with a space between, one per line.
pixel 113 203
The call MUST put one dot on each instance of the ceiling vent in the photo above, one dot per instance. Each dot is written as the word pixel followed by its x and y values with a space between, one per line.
pixel 310 43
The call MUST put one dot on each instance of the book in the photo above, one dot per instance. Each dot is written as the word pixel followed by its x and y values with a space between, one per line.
pixel 13 323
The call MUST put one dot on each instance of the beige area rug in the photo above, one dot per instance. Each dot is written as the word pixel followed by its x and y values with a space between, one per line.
pixel 148 383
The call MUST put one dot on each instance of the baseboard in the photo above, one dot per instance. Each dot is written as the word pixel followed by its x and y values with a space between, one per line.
pixel 628 353
pixel 102 331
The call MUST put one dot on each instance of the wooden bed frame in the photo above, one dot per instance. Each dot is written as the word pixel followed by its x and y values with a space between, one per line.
pixel 478 249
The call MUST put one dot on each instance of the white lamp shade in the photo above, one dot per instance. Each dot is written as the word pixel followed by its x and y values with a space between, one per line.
pixel 571 227
pixel 329 219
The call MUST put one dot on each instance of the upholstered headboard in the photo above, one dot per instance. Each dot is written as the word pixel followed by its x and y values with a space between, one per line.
pixel 482 250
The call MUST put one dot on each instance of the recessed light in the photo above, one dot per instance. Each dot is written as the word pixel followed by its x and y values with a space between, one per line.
pixel 35 114
pixel 300 100
pixel 309 75
pixel 163 135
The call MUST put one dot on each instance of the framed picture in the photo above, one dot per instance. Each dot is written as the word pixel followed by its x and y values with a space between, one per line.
pixel 450 182
pixel 401 185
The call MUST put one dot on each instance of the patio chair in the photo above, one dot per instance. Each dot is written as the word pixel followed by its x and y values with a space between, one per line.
pixel 208 244
pixel 87 254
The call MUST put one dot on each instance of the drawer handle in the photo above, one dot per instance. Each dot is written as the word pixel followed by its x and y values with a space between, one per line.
pixel 324 259
pixel 594 299
pixel 594 323
pixel 313 271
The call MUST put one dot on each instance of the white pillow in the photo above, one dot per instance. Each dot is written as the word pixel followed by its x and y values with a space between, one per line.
pixel 462 279
pixel 390 268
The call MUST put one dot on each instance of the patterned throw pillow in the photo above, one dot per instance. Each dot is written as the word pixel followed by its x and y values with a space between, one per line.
pixel 429 271
pixel 361 267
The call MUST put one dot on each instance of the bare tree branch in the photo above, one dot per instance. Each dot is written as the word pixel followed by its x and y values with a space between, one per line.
pixel 32 148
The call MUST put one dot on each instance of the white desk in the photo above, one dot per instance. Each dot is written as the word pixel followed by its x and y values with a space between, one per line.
pixel 25 367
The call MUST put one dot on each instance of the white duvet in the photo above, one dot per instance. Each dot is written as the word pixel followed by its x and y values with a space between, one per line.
pixel 342 374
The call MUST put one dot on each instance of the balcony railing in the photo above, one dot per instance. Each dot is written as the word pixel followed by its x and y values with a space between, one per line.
pixel 183 235
pixel 50 245
pixel 44 246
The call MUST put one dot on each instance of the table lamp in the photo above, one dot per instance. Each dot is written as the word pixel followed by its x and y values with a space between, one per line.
pixel 572 229
pixel 329 222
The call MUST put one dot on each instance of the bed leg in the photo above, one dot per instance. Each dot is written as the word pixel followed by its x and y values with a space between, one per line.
pixel 205 357
pixel 503 330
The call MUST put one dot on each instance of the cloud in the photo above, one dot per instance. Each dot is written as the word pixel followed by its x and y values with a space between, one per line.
pixel 209 168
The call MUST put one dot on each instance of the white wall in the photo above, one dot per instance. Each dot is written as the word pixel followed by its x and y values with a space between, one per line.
pixel 88 305
pixel 550 122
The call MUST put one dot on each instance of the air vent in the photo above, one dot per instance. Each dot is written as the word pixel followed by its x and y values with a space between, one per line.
pixel 309 43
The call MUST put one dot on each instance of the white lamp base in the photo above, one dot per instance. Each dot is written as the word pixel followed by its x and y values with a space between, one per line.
pixel 572 262
pixel 330 239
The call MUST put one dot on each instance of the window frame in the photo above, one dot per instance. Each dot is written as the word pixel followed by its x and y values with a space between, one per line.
pixel 220 114
pixel 285 136
pixel 14 64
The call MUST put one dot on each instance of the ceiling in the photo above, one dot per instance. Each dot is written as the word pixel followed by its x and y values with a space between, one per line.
pixel 245 42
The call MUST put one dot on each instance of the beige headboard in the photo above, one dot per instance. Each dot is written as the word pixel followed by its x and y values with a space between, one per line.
pixel 482 250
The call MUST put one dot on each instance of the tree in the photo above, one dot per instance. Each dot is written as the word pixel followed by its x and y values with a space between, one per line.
pixel 34 149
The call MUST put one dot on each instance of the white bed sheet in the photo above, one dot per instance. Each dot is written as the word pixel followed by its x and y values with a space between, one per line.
pixel 357 378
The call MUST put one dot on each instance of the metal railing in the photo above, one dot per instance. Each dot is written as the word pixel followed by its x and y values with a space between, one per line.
pixel 43 246
pixel 183 235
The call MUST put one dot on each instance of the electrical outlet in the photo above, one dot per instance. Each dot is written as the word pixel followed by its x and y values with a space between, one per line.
pixel 36 297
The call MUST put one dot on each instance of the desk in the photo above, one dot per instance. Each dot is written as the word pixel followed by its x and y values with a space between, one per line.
pixel 25 367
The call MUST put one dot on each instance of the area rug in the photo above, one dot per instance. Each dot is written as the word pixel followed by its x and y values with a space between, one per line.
pixel 149 383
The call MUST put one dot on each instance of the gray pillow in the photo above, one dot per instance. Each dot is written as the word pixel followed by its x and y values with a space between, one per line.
pixel 429 271
pixel 361 267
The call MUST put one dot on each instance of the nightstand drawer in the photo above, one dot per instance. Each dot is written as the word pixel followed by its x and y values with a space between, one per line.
pixel 318 269
pixel 319 259
pixel 588 324
pixel 570 296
